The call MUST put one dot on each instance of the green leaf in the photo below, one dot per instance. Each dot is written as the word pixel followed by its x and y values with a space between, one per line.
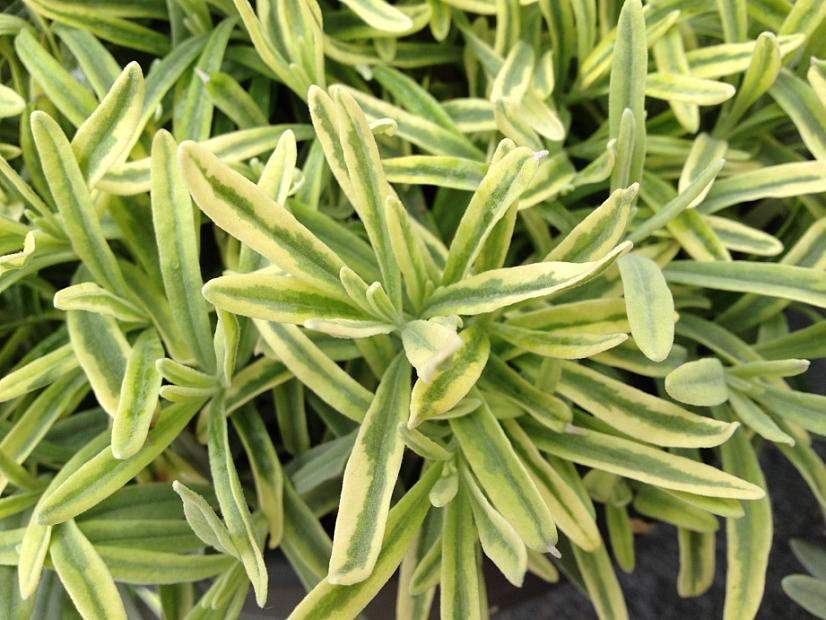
pixel 697 559
pixel 409 250
pixel 413 97
pixel 504 478
pixel 662 506
pixel 427 135
pixel 761 73
pixel 629 65
pixel 272 297
pixel 369 479
pixel 460 588
pixel 244 211
pixel 90 297
pixel 752 309
pixel 637 413
pixel 423 445
pixel 748 538
pixel 84 574
pixel 817 77
pixel 73 99
pixel 768 279
pixel 429 345
pixel 804 17
pixel 150 567
pixel 11 104
pixel 813 558
pixel 368 188
pixel 700 382
pixel 801 408
pixel 687 89
pixel 231 98
pixel 328 602
pixel 39 417
pixel 44 370
pixel 753 416
pixel 36 537
pixel 497 288
pixel 499 540
pixel 266 469
pixel 781 181
pixel 562 346
pixel 503 184
pixel 565 496
pixel 807 112
pixel 684 224
pixel 75 203
pixel 742 238
pixel 439 170
pixel 514 77
pixel 714 61
pixel 315 370
pixel 138 396
pixel 175 234
pixel 106 137
pixel 380 15
pixel 640 462
pixel 670 56
pixel 601 583
pixel 597 234
pixel 428 571
pixel 98 65
pixel 204 522
pixel 232 502
pixel 103 474
pixel 649 306
pixel 548 410
pixel 805 343
pixel 621 535
pixel 102 351
pixel 808 592
pixel 192 115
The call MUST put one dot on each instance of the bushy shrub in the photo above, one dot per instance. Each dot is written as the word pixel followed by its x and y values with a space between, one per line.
pixel 426 286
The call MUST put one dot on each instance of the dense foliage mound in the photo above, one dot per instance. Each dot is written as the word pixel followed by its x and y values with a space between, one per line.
pixel 402 290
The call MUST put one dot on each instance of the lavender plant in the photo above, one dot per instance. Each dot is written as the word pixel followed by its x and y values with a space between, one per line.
pixel 401 290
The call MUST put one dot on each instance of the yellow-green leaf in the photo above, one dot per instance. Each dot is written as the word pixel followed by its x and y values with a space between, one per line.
pixel 369 478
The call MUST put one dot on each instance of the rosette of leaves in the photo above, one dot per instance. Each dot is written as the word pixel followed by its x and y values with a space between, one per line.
pixel 457 274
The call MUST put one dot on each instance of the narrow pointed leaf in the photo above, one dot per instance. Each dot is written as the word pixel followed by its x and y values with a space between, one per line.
pixel 504 478
pixel 105 138
pixel 330 602
pixel 138 396
pixel 369 479
pixel 499 540
pixel 84 574
pixel 497 288
pixel 637 413
pixel 768 279
pixel 272 297
pixel 233 503
pixel 460 587
pixel 244 210
pixel 639 462
pixel 75 203
pixel 175 234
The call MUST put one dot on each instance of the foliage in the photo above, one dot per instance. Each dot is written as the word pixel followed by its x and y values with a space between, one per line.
pixel 808 591
pixel 466 278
